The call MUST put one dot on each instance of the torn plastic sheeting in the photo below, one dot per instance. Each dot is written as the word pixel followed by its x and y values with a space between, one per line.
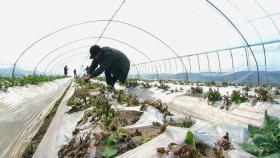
pixel 118 107
pixel 60 129
pixel 236 153
pixel 22 112
pixel 210 134
pixel 149 116
pixel 176 135
pixel 171 135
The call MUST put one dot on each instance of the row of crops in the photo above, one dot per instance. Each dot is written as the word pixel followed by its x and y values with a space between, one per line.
pixel 247 93
pixel 103 131
pixel 6 82
pixel 118 121
pixel 108 135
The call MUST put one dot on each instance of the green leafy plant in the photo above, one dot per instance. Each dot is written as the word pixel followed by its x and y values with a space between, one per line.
pixel 158 104
pixel 226 102
pixel 110 148
pixel 246 88
pixel 163 86
pixel 238 97
pixel 189 138
pixel 121 97
pixel 145 85
pixel 144 139
pixel 6 82
pixel 209 84
pixel 80 100
pixel 225 84
pixel 265 140
pixel 131 83
pixel 264 94
pixel 188 122
pixel 277 91
pixel 213 96
pixel 196 90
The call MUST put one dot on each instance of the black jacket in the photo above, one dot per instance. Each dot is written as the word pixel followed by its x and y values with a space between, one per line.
pixel 111 60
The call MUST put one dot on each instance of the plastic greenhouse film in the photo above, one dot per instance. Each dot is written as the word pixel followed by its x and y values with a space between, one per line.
pixel 171 135
pixel 60 130
pixel 22 111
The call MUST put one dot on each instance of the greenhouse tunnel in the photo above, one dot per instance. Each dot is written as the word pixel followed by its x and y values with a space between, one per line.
pixel 226 46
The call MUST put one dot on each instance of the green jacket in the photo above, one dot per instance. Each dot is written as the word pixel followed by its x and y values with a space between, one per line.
pixel 111 60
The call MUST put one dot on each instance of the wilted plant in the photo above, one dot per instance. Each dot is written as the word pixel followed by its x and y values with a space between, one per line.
pixel 145 85
pixel 226 102
pixel 264 94
pixel 196 90
pixel 158 104
pixel 246 88
pixel 238 97
pixel 188 122
pixel 163 86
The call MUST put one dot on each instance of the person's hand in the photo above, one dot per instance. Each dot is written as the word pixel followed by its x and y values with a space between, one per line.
pixel 86 78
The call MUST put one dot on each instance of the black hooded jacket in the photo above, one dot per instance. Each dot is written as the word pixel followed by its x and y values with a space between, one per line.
pixel 111 60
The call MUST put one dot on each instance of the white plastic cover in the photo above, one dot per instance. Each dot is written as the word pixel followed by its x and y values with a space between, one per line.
pixel 22 111
pixel 60 129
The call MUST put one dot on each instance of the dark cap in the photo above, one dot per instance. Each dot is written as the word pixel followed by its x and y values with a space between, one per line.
pixel 94 50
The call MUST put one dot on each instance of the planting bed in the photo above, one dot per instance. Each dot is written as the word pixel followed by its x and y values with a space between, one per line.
pixel 108 130
pixel 22 111
pixel 147 119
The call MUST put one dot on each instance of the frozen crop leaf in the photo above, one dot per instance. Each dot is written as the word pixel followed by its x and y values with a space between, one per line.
pixel 254 130
pixel 251 148
pixel 271 123
pixel 161 150
pixel 109 151
pixel 275 155
pixel 189 138
pixel 266 139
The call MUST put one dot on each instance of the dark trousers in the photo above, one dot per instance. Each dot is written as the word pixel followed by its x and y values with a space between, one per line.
pixel 110 79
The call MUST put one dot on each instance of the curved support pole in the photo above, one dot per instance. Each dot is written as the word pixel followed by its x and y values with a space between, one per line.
pixel 86 38
pixel 64 53
pixel 159 65
pixel 208 62
pixel 267 15
pixel 190 63
pixel 94 21
pixel 248 64
pixel 152 70
pixel 232 64
pixel 69 43
pixel 165 70
pixel 170 66
pixel 217 9
pixel 54 70
pixel 198 62
pixel 220 66
pixel 137 72
pixel 69 57
pixel 175 64
pixel 256 30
